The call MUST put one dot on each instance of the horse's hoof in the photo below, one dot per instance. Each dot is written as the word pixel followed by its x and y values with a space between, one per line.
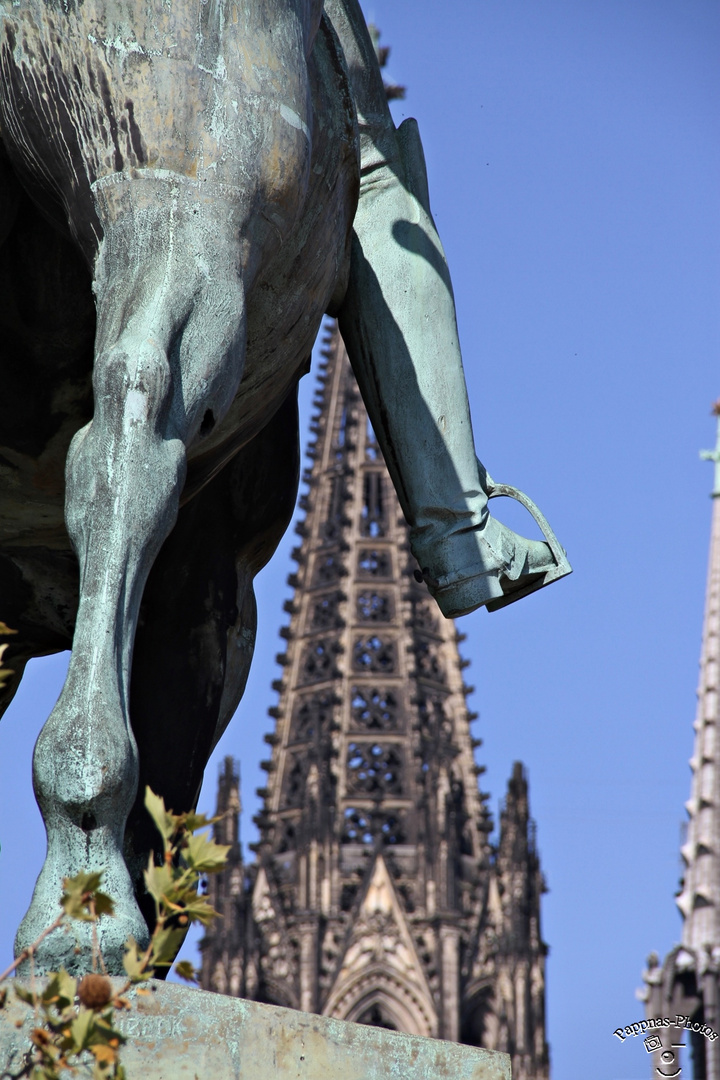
pixel 72 946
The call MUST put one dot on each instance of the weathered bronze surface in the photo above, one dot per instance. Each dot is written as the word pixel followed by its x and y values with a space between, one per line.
pixel 185 189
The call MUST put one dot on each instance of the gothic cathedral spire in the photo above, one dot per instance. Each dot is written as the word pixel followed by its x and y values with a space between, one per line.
pixel 377 896
pixel 688 983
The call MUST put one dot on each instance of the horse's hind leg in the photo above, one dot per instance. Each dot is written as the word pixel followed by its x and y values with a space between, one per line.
pixel 169 346
pixel 197 624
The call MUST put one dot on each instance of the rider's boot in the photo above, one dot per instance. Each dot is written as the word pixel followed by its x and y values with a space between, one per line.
pixel 487 564
pixel 398 323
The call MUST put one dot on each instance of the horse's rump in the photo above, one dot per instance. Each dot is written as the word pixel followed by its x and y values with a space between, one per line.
pixel 79 139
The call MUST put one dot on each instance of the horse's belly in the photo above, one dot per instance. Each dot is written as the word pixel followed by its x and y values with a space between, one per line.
pixel 286 306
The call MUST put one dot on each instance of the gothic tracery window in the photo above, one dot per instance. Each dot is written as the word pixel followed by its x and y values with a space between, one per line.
pixel 318 661
pixel 325 612
pixel 335 521
pixel 310 716
pixel 393 829
pixel 356 827
pixel 294 782
pixel 374 606
pixel 374 654
pixel 328 569
pixel 374 563
pixel 429 664
pixel 374 708
pixel 360 827
pixel 374 769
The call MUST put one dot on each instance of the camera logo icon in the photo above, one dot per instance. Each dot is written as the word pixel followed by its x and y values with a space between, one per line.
pixel 667 1057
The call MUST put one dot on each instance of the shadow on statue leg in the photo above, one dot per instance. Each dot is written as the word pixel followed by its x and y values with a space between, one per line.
pixel 196 633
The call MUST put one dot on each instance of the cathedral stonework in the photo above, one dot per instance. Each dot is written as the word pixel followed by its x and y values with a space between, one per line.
pixel 376 895
pixel 687 983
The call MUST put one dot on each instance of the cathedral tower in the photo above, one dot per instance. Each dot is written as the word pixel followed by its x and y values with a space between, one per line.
pixel 376 895
pixel 688 982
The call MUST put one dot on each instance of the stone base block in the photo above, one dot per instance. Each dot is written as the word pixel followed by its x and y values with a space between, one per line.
pixel 177 1033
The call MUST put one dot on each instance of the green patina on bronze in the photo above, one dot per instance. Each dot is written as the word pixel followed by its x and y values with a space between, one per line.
pixel 185 189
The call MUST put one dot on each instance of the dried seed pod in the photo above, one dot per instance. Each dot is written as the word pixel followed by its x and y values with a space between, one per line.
pixel 95 991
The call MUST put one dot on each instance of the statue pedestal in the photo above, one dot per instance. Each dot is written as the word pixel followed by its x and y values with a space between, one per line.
pixel 177 1033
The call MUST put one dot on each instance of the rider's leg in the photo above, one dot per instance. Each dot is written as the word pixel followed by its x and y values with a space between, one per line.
pixel 398 323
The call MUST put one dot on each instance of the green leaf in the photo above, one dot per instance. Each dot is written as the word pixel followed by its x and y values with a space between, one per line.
pixel 106 1032
pixel 181 892
pixel 81 1029
pixel 67 986
pixel 204 855
pixel 167 824
pixel 194 821
pixel 26 995
pixel 48 1057
pixel 46 1071
pixel 158 880
pixel 104 904
pixel 198 910
pixel 165 944
pixel 60 990
pixel 78 892
pixel 134 962
pixel 185 970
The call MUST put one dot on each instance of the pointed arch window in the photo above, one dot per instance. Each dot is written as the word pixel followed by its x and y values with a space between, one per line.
pixel 373 520
pixel 377 1015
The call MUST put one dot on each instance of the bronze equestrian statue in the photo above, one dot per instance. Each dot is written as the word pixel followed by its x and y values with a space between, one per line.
pixel 185 189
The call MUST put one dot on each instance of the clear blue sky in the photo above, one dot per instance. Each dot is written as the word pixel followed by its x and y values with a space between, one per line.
pixel 573 154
